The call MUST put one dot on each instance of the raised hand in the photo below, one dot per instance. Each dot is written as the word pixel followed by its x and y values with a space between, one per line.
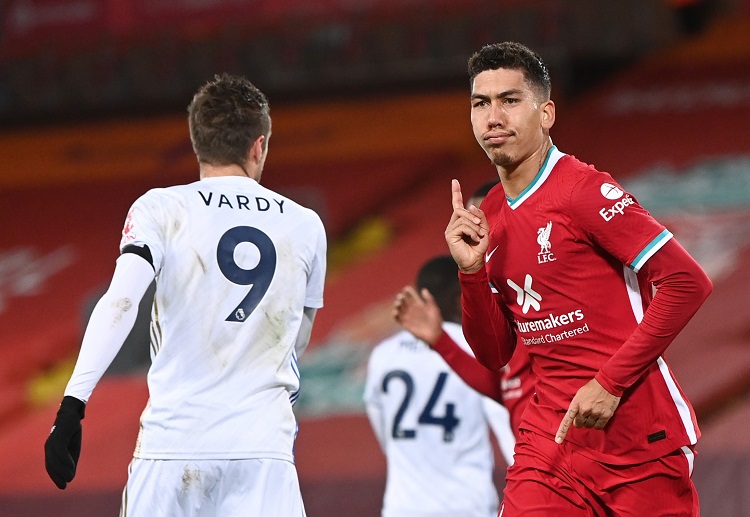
pixel 420 315
pixel 591 407
pixel 467 233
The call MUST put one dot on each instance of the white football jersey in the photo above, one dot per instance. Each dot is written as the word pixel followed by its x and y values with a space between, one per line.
pixel 433 429
pixel 235 265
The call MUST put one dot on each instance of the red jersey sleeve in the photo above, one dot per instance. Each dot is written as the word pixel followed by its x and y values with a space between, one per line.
pixel 478 377
pixel 488 332
pixel 613 219
pixel 682 287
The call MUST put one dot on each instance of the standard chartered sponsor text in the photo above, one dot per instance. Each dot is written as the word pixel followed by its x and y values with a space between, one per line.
pixel 551 338
pixel 551 322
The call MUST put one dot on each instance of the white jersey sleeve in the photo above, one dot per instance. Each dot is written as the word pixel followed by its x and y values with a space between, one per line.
pixel 110 323
pixel 317 267
pixel 373 403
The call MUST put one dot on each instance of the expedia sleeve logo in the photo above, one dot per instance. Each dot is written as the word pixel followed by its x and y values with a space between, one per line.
pixel 611 191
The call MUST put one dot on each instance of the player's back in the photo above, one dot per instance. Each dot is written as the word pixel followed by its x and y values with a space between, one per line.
pixel 433 430
pixel 235 263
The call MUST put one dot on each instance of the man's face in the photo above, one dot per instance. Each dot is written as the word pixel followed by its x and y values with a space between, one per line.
pixel 508 120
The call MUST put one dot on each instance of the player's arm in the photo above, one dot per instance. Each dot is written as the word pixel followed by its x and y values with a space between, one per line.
pixel 315 285
pixel 375 416
pixel 373 403
pixel 305 330
pixel 486 328
pixel 682 287
pixel 471 371
pixel 630 234
pixel 488 331
pixel 110 323
pixel 420 315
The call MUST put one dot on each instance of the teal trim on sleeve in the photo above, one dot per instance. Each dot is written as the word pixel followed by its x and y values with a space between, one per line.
pixel 652 247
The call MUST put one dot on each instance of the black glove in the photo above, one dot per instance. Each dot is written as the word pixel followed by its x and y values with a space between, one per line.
pixel 63 445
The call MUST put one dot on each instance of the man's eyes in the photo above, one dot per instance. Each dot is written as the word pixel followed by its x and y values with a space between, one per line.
pixel 505 100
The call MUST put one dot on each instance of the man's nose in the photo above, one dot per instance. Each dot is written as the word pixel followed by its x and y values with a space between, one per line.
pixel 497 115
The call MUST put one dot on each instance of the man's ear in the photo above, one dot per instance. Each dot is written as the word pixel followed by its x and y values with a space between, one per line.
pixel 548 115
pixel 256 150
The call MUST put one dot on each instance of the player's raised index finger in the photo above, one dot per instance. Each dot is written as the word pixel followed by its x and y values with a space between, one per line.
pixel 457 198
pixel 567 421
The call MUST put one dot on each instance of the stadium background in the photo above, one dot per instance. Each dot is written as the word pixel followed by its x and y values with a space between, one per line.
pixel 369 101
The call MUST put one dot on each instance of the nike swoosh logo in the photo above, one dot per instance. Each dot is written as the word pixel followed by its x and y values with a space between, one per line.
pixel 488 256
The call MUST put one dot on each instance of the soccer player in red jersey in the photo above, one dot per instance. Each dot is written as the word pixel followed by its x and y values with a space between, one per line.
pixel 562 261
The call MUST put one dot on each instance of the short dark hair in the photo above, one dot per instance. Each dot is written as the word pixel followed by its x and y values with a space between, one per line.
pixel 485 188
pixel 225 117
pixel 513 56
pixel 439 275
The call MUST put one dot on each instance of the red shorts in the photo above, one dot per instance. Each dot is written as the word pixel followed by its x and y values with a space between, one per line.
pixel 548 480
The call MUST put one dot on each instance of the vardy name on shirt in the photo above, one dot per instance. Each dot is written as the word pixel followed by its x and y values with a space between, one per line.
pixel 240 202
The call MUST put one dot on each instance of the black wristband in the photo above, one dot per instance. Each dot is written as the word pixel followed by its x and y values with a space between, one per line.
pixel 72 405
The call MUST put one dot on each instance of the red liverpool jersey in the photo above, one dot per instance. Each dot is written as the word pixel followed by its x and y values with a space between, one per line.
pixel 563 262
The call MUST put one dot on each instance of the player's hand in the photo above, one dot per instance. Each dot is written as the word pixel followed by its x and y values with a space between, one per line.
pixel 592 407
pixel 420 315
pixel 63 445
pixel 467 234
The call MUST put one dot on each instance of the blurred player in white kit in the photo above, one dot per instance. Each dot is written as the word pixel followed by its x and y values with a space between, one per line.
pixel 433 428
pixel 239 275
